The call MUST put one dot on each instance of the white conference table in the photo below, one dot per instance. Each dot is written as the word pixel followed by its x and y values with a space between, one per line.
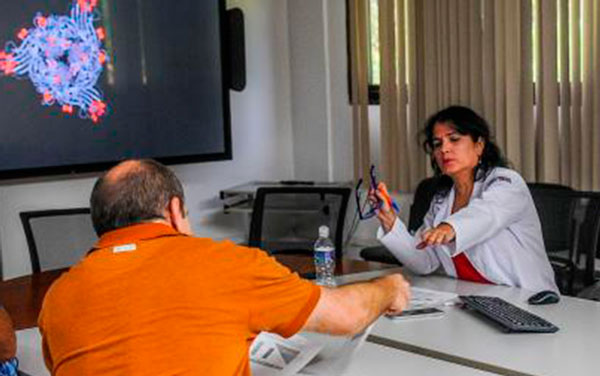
pixel 371 359
pixel 459 343
pixel 461 337
pixel 374 359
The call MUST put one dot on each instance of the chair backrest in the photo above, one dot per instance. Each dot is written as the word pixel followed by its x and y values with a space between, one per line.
pixel 57 238
pixel 287 219
pixel 421 202
pixel 555 205
pixel 589 233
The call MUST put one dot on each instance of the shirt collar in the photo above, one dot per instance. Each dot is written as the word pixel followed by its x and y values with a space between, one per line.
pixel 133 233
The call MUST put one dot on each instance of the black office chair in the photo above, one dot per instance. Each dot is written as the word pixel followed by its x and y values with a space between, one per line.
pixel 588 240
pixel 556 206
pixel 421 202
pixel 287 219
pixel 590 248
pixel 419 207
pixel 57 238
pixel 591 292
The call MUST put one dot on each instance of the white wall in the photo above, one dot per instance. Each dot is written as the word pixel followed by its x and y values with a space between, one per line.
pixel 321 113
pixel 261 141
pixel 340 112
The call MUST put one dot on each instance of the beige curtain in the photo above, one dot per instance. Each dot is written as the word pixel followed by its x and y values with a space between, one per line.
pixel 530 67
pixel 358 12
pixel 395 134
pixel 402 162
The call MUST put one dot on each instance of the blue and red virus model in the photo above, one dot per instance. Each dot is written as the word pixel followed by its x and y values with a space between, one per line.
pixel 63 58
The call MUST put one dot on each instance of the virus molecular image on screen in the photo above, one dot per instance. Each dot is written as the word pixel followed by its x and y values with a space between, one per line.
pixel 63 57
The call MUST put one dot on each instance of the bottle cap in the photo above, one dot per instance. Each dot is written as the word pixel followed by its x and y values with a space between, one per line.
pixel 323 232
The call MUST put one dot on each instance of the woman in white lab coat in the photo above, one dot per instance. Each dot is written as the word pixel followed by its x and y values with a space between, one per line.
pixel 482 224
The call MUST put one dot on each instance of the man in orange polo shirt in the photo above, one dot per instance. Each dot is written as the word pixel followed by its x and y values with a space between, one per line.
pixel 152 299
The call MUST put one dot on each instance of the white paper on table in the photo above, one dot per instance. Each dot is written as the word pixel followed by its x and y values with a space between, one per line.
pixel 273 355
pixel 424 298
pixel 29 352
pixel 336 355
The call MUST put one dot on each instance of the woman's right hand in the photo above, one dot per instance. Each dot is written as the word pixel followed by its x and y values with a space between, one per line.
pixel 385 214
pixel 442 234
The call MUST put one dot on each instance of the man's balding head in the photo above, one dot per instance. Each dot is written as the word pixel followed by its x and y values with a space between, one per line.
pixel 134 191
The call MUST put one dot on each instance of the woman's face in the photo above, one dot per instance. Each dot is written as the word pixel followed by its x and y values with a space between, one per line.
pixel 455 154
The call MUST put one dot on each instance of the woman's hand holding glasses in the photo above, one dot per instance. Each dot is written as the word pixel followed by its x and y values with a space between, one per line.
pixel 385 214
pixel 441 234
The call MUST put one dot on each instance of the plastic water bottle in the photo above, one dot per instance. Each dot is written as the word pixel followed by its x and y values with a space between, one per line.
pixel 324 258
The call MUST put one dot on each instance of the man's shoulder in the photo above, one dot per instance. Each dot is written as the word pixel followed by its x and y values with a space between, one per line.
pixel 56 295
pixel 186 250
pixel 68 280
pixel 219 251
pixel 220 246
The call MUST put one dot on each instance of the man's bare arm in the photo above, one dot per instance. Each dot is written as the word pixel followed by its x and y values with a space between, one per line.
pixel 349 309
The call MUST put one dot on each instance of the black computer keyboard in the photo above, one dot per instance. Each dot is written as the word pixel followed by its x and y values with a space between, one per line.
pixel 510 317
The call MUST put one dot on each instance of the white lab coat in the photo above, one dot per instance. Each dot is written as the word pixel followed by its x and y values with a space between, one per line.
pixel 499 231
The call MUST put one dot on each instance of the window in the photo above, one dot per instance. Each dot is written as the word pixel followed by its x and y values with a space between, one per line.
pixel 374 56
pixel 373 48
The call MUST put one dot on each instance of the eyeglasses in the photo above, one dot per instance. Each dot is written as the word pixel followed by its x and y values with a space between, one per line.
pixel 366 208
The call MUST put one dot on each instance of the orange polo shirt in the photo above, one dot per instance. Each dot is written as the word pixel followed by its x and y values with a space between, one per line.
pixel 151 301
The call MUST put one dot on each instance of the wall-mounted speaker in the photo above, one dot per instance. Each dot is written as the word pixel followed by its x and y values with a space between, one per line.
pixel 236 49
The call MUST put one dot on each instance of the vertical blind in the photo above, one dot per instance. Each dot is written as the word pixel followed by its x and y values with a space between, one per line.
pixel 529 67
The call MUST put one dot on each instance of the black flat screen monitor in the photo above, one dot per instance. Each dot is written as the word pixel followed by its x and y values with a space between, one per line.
pixel 86 83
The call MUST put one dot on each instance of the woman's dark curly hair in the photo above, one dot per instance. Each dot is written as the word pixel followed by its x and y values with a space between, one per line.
pixel 466 122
